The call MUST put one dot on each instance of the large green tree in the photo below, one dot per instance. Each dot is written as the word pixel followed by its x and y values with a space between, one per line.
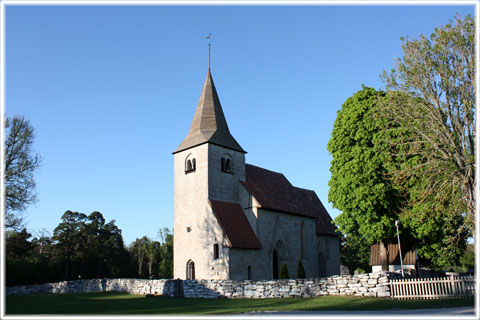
pixel 363 187
pixel 19 168
pixel 359 184
pixel 88 247
pixel 435 107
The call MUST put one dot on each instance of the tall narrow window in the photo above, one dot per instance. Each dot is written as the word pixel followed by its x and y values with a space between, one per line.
pixel 189 165
pixel 194 164
pixel 275 264
pixel 227 165
pixel 223 164
pixel 190 270
pixel 249 273
pixel 215 251
pixel 303 248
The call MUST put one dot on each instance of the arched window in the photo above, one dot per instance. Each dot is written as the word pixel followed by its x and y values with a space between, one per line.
pixel 249 273
pixel 215 251
pixel 190 163
pixel 226 163
pixel 190 270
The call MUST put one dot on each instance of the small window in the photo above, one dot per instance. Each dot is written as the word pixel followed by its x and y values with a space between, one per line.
pixel 249 273
pixel 226 163
pixel 215 251
pixel 190 164
pixel 190 270
pixel 223 164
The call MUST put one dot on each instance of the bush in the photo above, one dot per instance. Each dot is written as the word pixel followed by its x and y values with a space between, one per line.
pixel 300 269
pixel 359 271
pixel 284 272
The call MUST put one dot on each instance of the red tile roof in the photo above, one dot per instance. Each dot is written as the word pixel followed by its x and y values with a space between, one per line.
pixel 273 191
pixel 235 225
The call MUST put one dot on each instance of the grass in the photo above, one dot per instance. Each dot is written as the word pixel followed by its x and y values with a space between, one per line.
pixel 122 303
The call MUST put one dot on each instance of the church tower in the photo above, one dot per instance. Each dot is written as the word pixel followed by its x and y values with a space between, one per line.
pixel 208 165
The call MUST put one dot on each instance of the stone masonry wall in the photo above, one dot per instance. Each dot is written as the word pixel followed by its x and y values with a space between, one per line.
pixel 367 285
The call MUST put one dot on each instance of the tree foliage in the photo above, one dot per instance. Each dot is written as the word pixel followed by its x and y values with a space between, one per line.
pixel 20 165
pixel 84 247
pixel 166 264
pixel 153 259
pixel 371 199
pixel 436 111
pixel 355 252
pixel 359 184
pixel 87 247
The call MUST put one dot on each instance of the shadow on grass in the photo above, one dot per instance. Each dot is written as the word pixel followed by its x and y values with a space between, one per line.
pixel 122 303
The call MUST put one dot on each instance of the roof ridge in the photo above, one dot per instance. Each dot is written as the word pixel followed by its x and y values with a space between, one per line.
pixel 304 189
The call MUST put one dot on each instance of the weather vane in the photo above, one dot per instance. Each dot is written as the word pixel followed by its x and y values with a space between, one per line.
pixel 209 44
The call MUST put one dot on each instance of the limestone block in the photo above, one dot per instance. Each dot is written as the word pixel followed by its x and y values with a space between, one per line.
pixel 382 289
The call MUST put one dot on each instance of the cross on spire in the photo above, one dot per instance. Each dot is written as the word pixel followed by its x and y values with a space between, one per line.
pixel 209 45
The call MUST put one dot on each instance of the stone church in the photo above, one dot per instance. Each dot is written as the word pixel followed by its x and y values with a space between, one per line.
pixel 234 220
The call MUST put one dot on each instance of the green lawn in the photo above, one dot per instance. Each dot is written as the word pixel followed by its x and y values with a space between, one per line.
pixel 122 303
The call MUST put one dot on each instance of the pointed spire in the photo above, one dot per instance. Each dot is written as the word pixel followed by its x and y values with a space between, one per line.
pixel 209 124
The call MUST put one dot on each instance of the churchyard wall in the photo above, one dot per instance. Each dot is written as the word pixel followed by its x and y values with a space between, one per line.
pixel 367 285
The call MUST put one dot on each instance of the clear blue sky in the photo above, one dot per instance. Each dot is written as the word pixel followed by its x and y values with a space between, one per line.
pixel 111 92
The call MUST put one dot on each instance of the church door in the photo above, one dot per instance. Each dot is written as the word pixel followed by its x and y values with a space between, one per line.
pixel 190 270
pixel 275 264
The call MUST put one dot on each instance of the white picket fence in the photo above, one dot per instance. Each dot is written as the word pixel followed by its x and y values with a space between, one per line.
pixel 433 288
